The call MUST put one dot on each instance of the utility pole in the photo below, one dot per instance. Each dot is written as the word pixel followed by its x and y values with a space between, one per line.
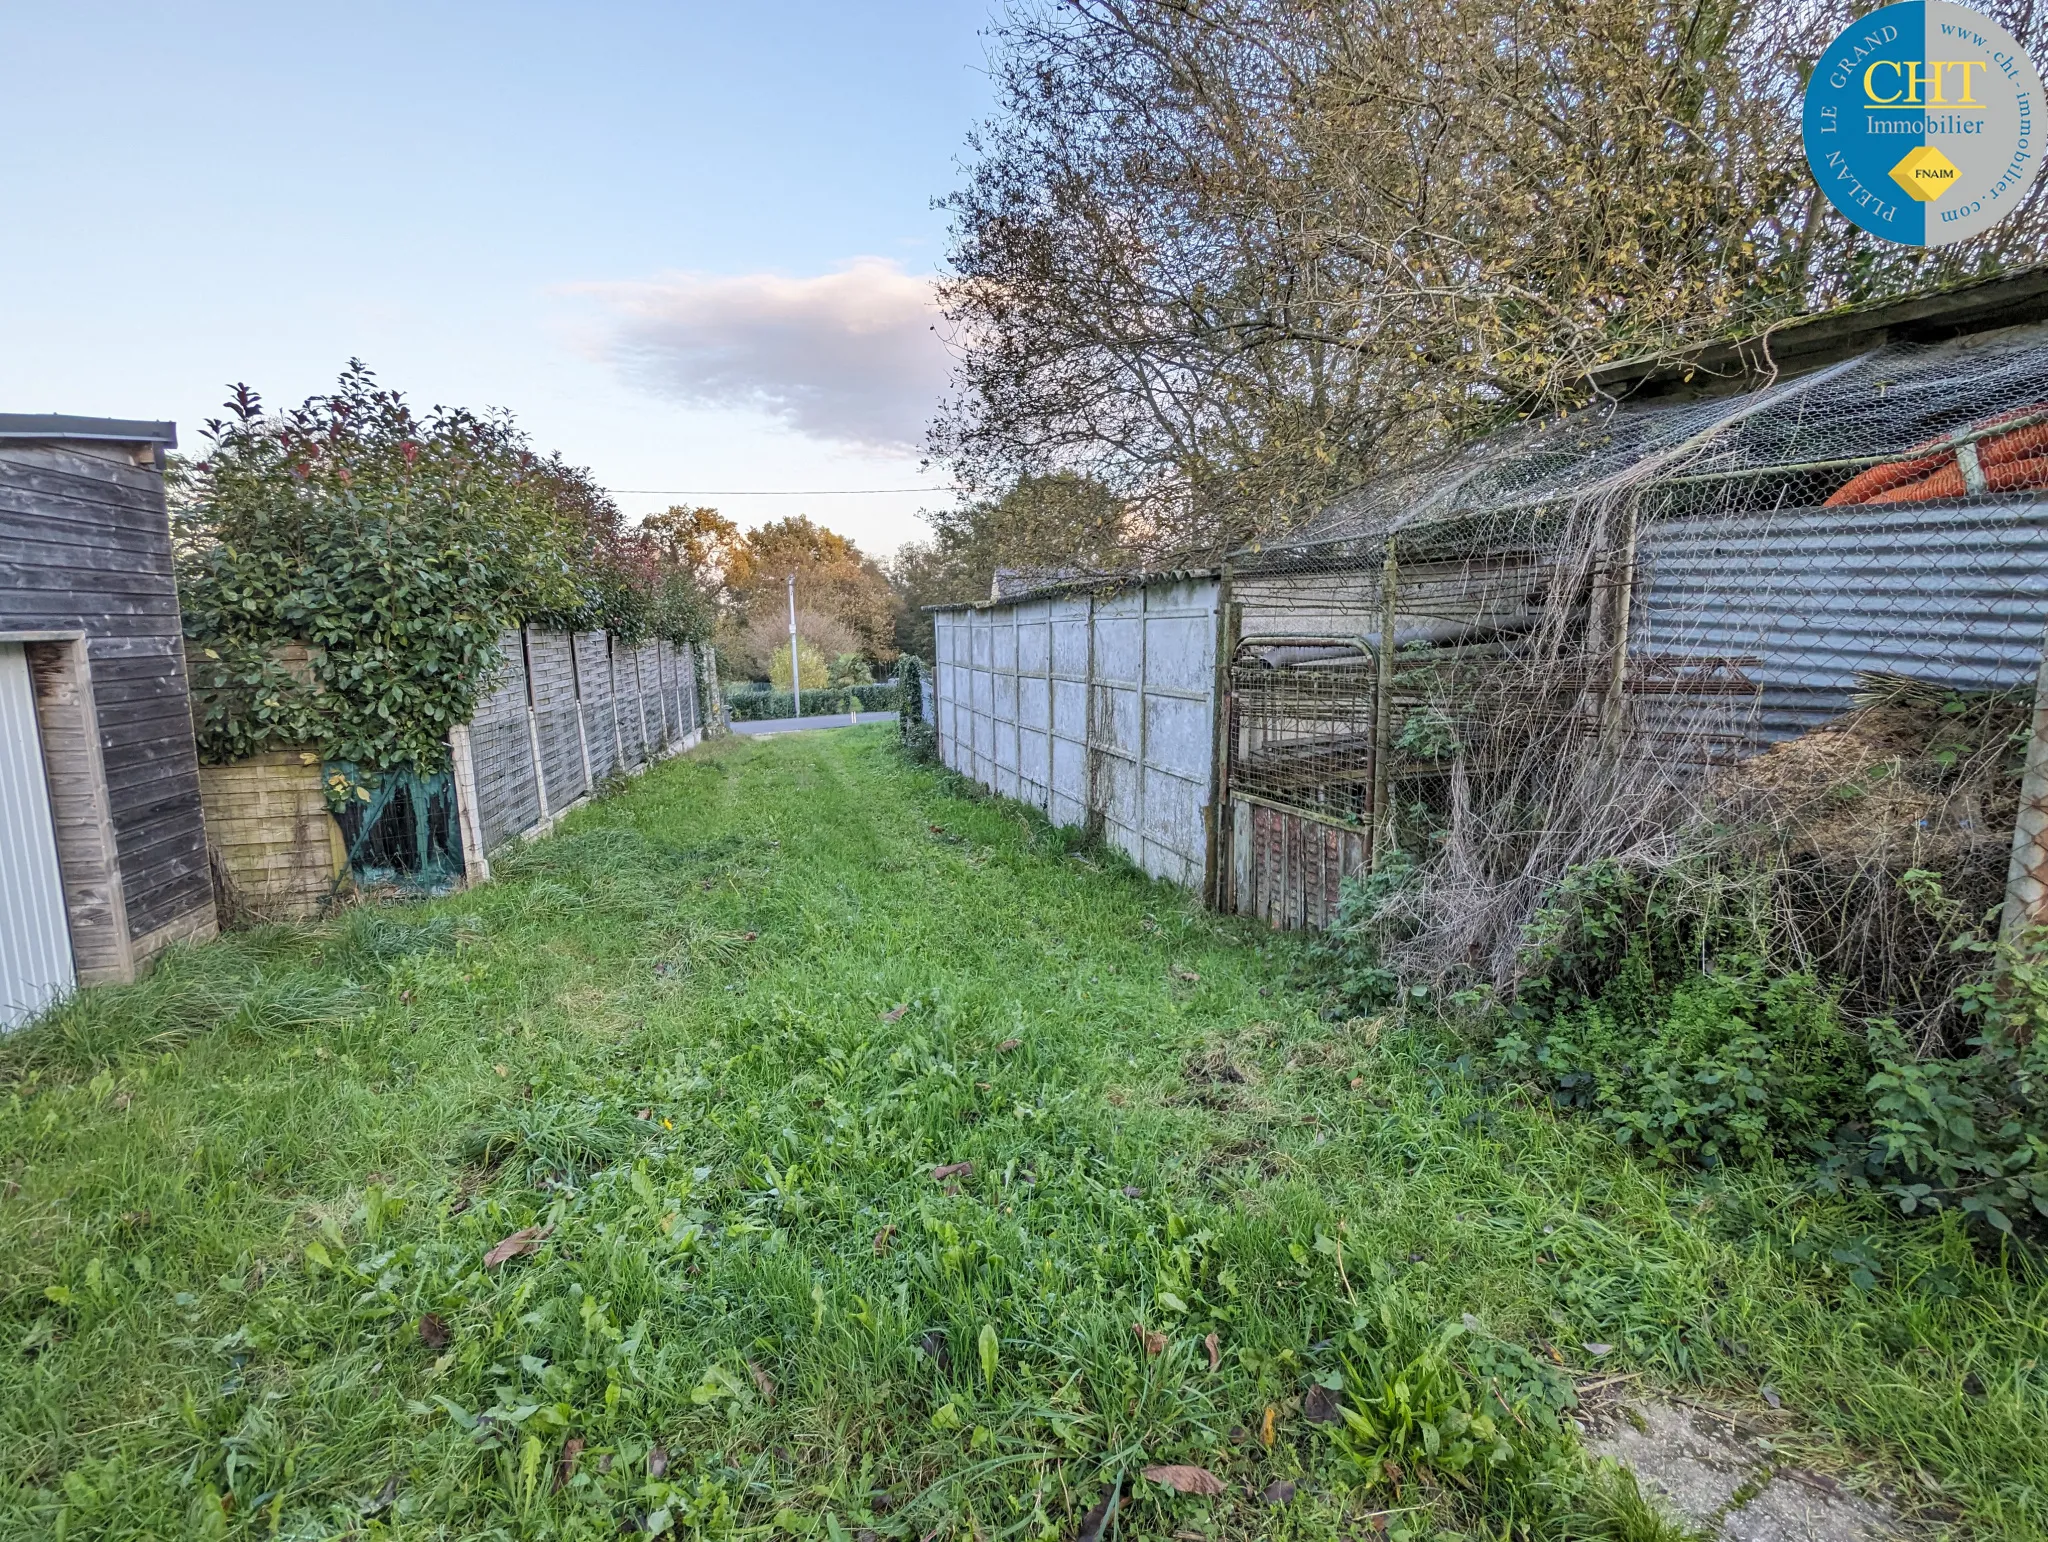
pixel 796 678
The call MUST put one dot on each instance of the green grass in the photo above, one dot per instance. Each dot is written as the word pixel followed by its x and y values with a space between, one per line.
pixel 717 1034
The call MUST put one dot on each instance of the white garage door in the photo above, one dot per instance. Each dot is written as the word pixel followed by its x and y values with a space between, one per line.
pixel 35 942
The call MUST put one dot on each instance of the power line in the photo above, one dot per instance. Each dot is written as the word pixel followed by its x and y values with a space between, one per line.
pixel 774 492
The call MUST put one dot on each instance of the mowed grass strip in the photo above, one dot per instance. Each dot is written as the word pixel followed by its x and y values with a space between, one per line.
pixel 796 1142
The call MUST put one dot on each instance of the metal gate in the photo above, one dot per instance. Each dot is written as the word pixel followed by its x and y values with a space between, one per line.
pixel 35 937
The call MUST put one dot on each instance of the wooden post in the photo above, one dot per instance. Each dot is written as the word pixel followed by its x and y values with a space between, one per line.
pixel 1624 585
pixel 1229 622
pixel 1383 710
pixel 2026 877
pixel 467 815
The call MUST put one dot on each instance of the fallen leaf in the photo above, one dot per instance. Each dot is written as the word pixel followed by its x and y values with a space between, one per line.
pixel 434 1331
pixel 1186 1480
pixel 565 1469
pixel 952 1170
pixel 386 1496
pixel 657 1461
pixel 1279 1493
pixel 1009 1044
pixel 1770 1395
pixel 1155 1343
pixel 882 1240
pixel 526 1240
pixel 1266 1426
pixel 763 1384
pixel 1320 1406
pixel 1097 1519
pixel 1215 1348
pixel 1598 1351
pixel 895 1014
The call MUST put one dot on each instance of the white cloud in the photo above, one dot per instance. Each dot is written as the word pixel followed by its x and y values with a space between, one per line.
pixel 850 357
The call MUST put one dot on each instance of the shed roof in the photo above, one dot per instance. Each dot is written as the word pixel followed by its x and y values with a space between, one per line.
pixel 1814 342
pixel 63 425
pixel 1097 583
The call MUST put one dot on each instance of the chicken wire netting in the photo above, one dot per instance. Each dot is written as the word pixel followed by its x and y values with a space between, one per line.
pixel 1791 634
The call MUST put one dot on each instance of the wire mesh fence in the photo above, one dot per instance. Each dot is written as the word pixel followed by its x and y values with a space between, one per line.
pixel 1791 633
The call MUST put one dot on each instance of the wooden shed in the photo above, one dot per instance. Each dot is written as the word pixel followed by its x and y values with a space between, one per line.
pixel 102 843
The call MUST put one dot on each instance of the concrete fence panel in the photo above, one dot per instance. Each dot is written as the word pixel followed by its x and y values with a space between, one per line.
pixel 1099 709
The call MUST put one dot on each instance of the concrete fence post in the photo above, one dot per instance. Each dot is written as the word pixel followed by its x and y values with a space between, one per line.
pixel 468 815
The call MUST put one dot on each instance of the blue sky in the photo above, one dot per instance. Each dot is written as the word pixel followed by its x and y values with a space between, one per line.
pixel 688 245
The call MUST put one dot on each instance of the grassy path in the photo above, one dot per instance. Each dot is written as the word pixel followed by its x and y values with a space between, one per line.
pixel 712 1061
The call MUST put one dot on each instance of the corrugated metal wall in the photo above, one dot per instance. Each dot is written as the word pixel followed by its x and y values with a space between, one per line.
pixel 35 936
pixel 1956 593
pixel 1098 710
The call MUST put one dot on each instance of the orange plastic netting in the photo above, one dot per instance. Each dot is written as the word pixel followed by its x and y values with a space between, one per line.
pixel 2009 461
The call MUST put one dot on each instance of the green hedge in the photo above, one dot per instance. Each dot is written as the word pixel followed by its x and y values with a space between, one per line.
pixel 751 704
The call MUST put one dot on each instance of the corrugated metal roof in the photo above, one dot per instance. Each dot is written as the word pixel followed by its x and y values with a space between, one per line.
pixel 1099 583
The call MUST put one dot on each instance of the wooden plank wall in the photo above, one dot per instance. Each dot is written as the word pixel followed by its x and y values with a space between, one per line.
pixel 102 949
pixel 626 702
pixel 85 546
pixel 280 852
pixel 594 685
pixel 501 750
pixel 561 694
pixel 1288 868
pixel 554 707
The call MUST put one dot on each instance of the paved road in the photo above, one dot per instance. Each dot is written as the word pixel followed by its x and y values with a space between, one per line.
pixel 787 725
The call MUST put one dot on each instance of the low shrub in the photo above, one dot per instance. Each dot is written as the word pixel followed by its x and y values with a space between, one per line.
pixel 752 704
pixel 1972 1130
pixel 1730 1066
pixel 1649 1005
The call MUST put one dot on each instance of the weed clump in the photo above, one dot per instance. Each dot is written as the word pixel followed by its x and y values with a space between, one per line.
pixel 1455 1430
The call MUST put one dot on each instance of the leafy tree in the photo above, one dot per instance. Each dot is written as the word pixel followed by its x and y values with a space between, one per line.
pixel 1058 522
pixel 810 661
pixel 834 579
